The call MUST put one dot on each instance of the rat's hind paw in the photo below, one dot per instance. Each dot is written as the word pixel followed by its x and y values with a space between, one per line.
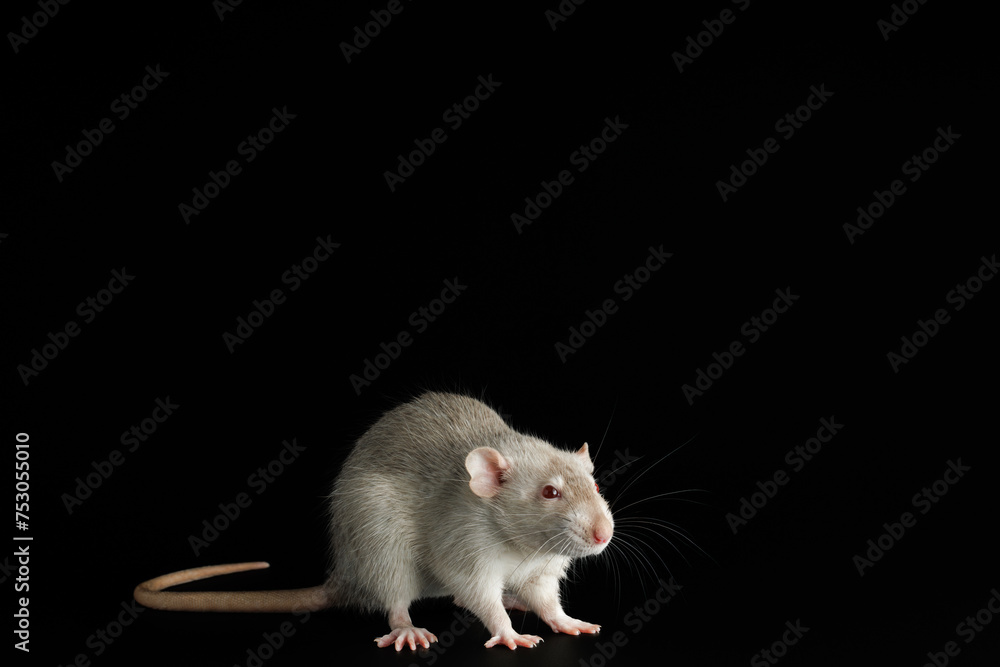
pixel 406 636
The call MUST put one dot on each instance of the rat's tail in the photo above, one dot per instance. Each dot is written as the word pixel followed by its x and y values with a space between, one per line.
pixel 151 594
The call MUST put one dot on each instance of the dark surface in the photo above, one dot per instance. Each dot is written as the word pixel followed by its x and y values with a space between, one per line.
pixel 825 358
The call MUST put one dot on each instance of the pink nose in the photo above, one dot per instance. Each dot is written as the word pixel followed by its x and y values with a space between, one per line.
pixel 602 533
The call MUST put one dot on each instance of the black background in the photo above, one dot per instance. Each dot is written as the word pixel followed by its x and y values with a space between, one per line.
pixel 323 176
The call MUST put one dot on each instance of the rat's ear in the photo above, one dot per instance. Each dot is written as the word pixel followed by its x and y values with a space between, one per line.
pixel 584 453
pixel 486 467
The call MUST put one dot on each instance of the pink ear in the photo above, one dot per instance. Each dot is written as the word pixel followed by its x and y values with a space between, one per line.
pixel 584 453
pixel 486 466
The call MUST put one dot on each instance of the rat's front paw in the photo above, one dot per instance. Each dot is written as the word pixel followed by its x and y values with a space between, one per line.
pixel 404 636
pixel 512 640
pixel 571 626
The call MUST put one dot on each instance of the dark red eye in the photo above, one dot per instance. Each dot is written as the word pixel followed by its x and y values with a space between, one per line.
pixel 551 492
pixel 597 488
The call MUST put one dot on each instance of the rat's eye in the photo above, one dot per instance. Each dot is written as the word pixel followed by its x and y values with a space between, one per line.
pixel 597 488
pixel 551 492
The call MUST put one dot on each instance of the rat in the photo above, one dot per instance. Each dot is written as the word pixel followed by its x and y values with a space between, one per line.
pixel 439 498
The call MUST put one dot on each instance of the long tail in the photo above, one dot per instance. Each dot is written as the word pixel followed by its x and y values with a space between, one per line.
pixel 151 594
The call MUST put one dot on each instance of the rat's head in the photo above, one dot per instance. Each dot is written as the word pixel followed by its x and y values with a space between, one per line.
pixel 545 499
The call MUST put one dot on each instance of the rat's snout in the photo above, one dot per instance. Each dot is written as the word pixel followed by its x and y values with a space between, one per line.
pixel 603 530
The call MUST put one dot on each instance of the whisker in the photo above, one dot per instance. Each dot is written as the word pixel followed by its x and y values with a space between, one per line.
pixel 664 538
pixel 655 552
pixel 606 428
pixel 663 458
pixel 665 495
pixel 672 527
pixel 641 560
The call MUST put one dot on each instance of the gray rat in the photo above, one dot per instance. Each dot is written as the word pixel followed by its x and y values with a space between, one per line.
pixel 440 498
